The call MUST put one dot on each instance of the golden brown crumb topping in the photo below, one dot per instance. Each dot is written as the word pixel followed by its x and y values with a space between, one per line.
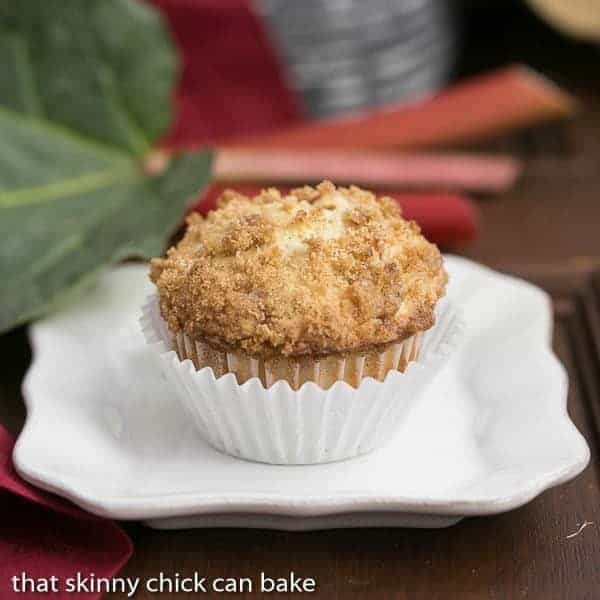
pixel 321 270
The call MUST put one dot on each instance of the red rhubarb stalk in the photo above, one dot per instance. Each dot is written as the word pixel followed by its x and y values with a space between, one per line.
pixel 481 107
pixel 382 169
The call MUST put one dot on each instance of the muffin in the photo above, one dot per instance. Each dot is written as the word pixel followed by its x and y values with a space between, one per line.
pixel 298 329
pixel 323 284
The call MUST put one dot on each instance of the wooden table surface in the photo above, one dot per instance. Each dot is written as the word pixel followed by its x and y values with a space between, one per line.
pixel 547 230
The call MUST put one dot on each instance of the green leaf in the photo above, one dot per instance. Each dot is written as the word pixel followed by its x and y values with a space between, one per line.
pixel 85 91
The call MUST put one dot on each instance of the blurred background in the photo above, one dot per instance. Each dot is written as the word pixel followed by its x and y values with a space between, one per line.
pixel 308 65
pixel 341 56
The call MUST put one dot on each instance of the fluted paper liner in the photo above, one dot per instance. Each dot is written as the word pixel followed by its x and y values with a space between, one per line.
pixel 325 371
pixel 281 425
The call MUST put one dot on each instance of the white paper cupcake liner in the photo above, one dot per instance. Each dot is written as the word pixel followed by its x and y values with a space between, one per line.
pixel 280 425
pixel 351 368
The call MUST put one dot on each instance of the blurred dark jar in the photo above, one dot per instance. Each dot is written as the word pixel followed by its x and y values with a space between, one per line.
pixel 346 55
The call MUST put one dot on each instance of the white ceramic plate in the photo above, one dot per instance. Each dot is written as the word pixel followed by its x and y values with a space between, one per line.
pixel 490 434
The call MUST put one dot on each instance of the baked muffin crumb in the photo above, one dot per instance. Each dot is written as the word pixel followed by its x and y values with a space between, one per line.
pixel 321 270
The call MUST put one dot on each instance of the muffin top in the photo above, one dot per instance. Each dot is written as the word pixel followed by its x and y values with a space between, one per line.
pixel 321 270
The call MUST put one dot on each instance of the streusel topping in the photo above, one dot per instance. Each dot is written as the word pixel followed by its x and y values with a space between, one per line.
pixel 320 270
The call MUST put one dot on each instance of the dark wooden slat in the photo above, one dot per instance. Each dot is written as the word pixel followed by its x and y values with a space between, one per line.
pixel 591 306
pixel 583 337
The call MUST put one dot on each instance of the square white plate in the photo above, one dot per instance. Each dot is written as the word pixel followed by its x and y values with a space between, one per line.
pixel 490 433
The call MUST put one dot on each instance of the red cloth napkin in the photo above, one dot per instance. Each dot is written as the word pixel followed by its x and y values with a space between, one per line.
pixel 43 535
pixel 445 218
pixel 231 82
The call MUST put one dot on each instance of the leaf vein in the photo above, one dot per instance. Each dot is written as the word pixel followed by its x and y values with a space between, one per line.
pixel 65 188
pixel 137 139
pixel 25 73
